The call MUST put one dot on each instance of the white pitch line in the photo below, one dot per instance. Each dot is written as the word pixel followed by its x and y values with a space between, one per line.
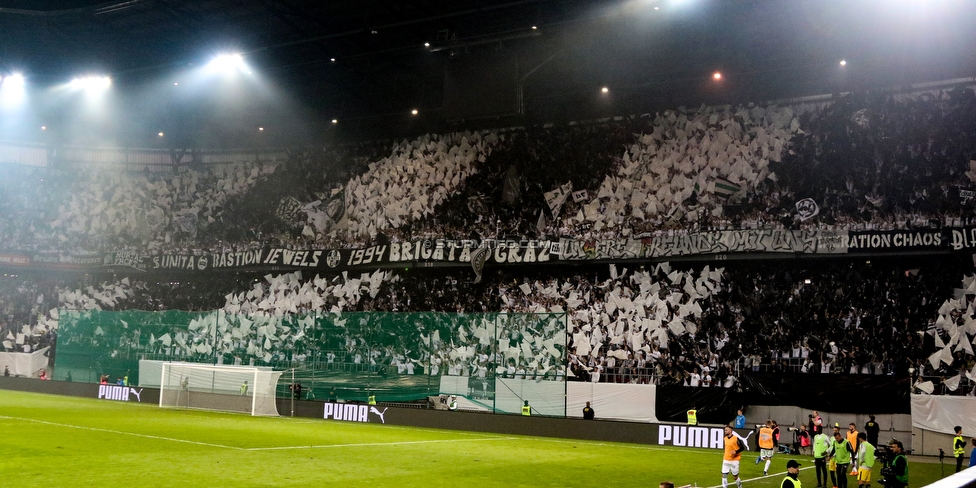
pixel 109 431
pixel 325 446
pixel 376 444
pixel 731 483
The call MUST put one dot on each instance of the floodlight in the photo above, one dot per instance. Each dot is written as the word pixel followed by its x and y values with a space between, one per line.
pixel 604 89
pixel 414 112
pixel 717 76
pixel 12 92
pixel 228 64
pixel 91 83
pixel 15 79
pixel 335 121
pixel 260 129
pixel 843 62
pixel 160 134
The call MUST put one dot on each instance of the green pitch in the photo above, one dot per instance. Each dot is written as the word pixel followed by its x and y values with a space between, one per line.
pixel 55 441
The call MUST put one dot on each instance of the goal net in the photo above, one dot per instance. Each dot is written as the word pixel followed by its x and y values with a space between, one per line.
pixel 214 387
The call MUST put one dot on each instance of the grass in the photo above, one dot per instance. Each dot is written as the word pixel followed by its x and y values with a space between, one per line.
pixel 56 441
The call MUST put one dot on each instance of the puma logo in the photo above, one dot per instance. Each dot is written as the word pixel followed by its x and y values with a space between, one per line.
pixel 377 412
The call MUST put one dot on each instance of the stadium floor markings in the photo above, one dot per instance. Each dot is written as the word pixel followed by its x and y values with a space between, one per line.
pixel 377 444
pixel 760 477
pixel 122 432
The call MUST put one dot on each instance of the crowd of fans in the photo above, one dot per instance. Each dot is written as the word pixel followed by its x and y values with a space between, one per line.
pixel 867 161
pixel 699 326
pixel 26 305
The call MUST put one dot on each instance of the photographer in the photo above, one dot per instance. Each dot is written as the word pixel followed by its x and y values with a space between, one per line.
pixel 802 440
pixel 816 423
pixel 896 470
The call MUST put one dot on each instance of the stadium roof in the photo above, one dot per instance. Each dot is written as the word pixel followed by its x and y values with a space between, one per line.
pixel 365 62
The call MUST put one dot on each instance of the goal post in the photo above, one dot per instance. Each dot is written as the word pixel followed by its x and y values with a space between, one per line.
pixel 242 389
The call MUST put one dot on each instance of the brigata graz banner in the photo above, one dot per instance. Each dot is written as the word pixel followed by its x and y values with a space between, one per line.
pixel 385 255
pixel 508 252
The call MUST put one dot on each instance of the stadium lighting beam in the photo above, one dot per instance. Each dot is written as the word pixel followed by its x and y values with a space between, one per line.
pixel 91 84
pixel 228 64
pixel 12 91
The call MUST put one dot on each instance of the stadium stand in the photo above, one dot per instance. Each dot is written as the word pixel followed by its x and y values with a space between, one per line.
pixel 864 162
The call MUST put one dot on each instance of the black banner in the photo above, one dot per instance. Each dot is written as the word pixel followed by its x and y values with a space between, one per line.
pixel 896 240
pixel 461 251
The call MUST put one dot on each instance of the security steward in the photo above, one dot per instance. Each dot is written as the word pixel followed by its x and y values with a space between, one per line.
pixel 958 448
pixel 526 409
pixel 692 416
pixel 792 475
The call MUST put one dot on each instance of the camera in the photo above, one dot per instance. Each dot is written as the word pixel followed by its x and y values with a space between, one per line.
pixel 793 429
pixel 883 455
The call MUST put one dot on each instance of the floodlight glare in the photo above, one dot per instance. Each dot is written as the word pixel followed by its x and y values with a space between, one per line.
pixel 604 89
pixel 227 63
pixel 717 76
pixel 843 62
pixel 91 83
pixel 15 79
pixel 414 112
pixel 335 121
pixel 12 92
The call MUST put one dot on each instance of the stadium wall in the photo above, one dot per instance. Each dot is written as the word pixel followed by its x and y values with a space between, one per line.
pixel 84 390
pixel 935 416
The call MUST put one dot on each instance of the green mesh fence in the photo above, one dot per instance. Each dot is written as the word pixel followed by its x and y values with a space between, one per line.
pixel 495 360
